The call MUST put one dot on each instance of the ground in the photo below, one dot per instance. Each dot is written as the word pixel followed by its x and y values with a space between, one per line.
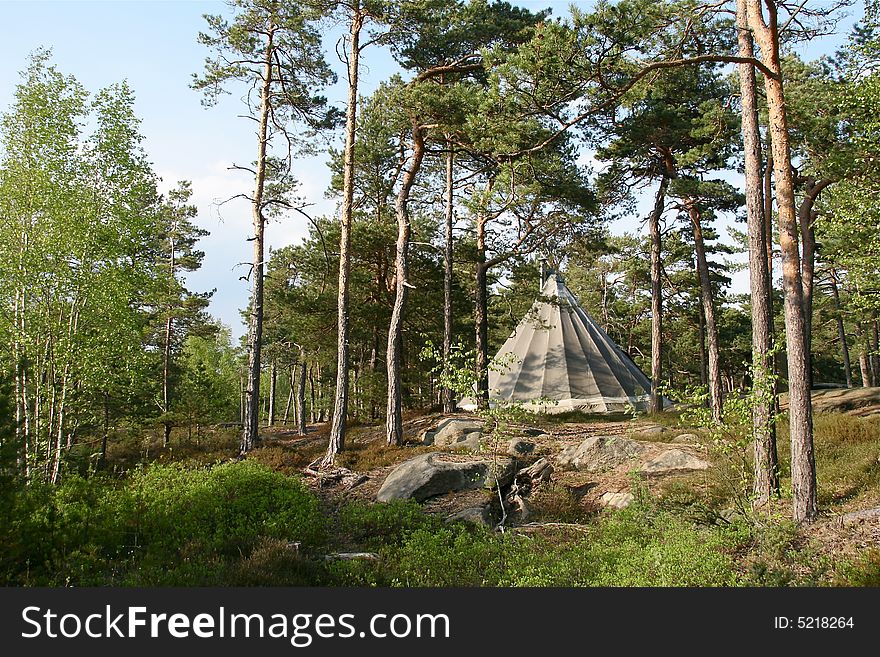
pixel 847 433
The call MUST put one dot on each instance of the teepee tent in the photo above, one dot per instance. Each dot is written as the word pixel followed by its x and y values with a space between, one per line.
pixel 558 359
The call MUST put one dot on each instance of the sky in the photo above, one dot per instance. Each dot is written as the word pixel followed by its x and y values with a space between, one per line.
pixel 153 45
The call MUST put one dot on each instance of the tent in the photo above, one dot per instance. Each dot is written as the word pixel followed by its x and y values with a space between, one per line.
pixel 558 359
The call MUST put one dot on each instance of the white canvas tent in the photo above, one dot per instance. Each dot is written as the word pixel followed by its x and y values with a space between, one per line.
pixel 558 359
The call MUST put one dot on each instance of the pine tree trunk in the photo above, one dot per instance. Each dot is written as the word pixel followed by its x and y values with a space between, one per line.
pixel 864 362
pixel 806 218
pixel 301 396
pixel 841 331
pixel 273 384
pixel 447 394
pixel 481 317
pixel 766 465
pixel 394 414
pixel 701 346
pixel 657 297
pixel 290 379
pixel 251 431
pixel 803 466
pixel 875 351
pixel 340 406
pixel 716 399
pixel 166 352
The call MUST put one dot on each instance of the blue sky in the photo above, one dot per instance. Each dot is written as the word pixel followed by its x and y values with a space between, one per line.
pixel 153 45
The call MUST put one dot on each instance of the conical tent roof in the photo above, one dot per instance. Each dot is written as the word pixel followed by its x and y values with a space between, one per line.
pixel 558 359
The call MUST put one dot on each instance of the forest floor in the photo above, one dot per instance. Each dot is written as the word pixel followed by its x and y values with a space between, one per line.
pixel 847 444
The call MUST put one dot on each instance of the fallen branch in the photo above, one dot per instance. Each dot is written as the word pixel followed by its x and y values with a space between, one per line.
pixel 344 475
pixel 554 525
pixel 351 556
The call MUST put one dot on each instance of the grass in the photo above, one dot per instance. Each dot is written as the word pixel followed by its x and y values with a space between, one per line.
pixel 254 523
pixel 847 466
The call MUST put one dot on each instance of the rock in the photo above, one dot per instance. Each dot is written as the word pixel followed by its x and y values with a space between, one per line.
pixel 540 470
pixel 650 429
pixel 453 432
pixel 478 515
pixel 598 453
pixel 687 438
pixel 470 442
pixel 616 500
pixel 520 447
pixel 673 460
pixel 428 475
pixel 860 516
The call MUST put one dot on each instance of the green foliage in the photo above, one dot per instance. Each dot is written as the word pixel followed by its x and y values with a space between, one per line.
pixel 163 525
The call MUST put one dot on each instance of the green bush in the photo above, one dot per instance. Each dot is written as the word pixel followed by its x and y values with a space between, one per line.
pixel 165 524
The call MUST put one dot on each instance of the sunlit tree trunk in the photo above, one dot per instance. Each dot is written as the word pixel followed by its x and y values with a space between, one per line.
pixel 657 296
pixel 803 466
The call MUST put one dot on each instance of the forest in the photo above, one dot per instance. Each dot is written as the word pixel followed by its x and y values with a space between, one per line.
pixel 141 444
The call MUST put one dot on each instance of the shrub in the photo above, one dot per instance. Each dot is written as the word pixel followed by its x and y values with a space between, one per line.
pixel 165 524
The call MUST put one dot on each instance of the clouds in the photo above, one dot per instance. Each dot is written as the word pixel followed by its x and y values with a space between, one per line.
pixel 219 193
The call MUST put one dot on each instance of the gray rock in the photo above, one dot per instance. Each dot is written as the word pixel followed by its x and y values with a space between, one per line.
pixel 428 475
pixel 598 453
pixel 478 515
pixel 520 447
pixel 856 517
pixel 674 460
pixel 616 500
pixel 452 431
pixel 540 470
pixel 687 438
pixel 469 443
pixel 650 429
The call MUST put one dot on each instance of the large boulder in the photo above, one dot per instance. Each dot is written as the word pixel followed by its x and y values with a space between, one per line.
pixel 430 474
pixel 599 453
pixel 673 460
pixel 455 432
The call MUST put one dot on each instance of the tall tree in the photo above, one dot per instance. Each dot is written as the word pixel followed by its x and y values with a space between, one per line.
pixel 765 28
pixel 357 15
pixel 178 308
pixel 766 474
pixel 273 46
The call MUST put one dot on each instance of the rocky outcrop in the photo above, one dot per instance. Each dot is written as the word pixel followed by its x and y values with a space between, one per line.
pixel 599 453
pixel 672 461
pixel 456 433
pixel 429 475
